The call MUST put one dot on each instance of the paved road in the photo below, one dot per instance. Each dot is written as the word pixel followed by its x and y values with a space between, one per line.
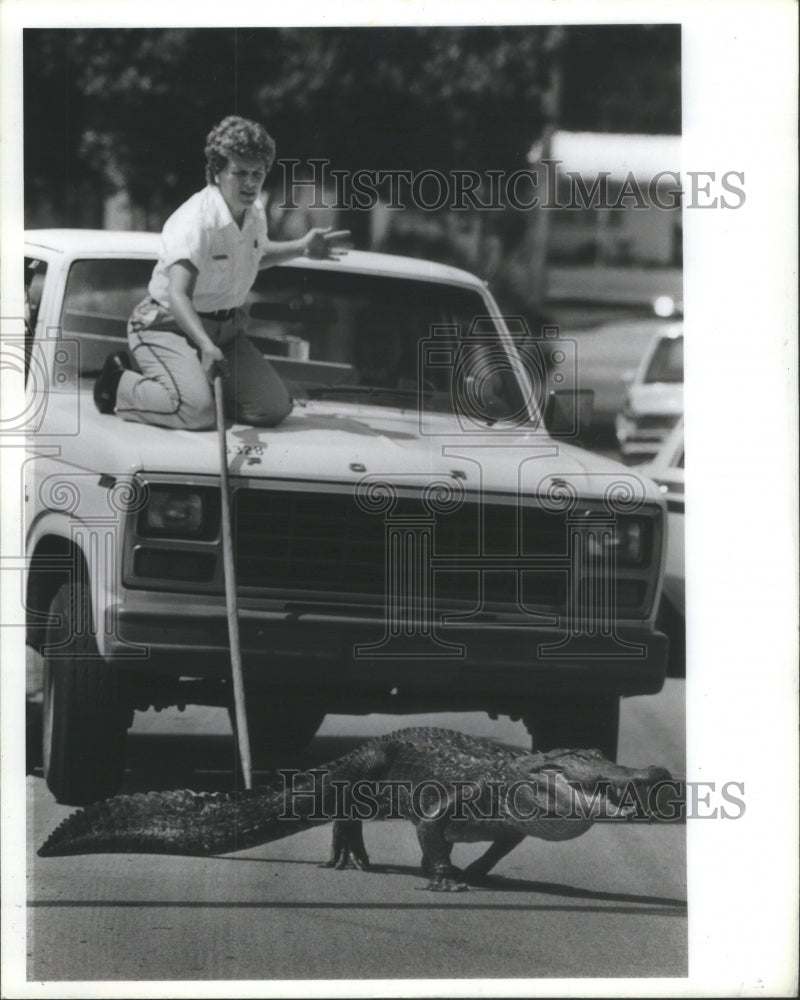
pixel 610 903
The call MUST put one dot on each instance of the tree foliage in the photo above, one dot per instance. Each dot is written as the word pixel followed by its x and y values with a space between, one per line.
pixel 622 78
pixel 129 109
pixel 409 98
pixel 124 108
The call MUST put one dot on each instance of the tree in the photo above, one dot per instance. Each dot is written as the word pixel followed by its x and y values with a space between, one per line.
pixel 408 98
pixel 123 109
pixel 129 109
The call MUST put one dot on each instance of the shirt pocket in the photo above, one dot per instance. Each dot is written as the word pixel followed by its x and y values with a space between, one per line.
pixel 218 268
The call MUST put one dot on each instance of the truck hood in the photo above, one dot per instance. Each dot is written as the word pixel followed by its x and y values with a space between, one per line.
pixel 336 442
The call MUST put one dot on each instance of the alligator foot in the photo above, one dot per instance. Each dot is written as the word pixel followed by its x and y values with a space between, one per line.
pixel 348 849
pixel 446 885
pixel 443 883
pixel 446 878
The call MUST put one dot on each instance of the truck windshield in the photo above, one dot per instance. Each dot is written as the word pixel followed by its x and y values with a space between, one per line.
pixel 386 341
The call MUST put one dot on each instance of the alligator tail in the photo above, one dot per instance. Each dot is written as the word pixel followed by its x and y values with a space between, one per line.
pixel 186 822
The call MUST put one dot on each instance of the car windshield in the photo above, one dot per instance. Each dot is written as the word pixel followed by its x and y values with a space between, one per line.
pixel 666 365
pixel 332 335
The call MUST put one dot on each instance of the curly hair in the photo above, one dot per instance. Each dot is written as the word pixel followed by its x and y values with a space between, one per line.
pixel 240 137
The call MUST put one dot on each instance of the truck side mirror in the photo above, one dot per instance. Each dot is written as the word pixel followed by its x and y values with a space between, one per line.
pixel 568 412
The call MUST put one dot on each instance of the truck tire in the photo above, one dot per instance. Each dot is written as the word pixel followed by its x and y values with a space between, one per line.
pixel 274 726
pixel 673 625
pixel 84 720
pixel 33 736
pixel 575 724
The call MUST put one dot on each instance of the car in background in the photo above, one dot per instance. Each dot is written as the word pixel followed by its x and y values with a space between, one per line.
pixel 667 471
pixel 654 397
pixel 608 355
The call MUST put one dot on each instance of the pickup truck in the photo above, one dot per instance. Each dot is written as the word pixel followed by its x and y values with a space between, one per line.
pixel 422 533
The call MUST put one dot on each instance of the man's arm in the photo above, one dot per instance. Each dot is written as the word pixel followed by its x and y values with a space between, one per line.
pixel 317 243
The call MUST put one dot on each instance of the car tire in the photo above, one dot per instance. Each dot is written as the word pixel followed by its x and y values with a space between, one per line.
pixel 274 726
pixel 575 724
pixel 84 718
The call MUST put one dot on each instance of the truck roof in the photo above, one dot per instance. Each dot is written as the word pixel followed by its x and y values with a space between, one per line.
pixel 75 242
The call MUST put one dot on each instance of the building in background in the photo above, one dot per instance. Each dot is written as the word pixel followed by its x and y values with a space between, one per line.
pixel 622 198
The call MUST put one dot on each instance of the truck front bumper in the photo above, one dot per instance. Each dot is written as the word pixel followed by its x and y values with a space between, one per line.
pixel 348 653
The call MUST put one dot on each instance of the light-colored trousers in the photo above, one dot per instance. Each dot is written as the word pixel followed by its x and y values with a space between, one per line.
pixel 172 389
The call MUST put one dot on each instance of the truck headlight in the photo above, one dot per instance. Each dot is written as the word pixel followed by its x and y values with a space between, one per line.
pixel 180 512
pixel 625 538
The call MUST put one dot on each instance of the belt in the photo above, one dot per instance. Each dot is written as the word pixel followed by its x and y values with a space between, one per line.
pixel 220 316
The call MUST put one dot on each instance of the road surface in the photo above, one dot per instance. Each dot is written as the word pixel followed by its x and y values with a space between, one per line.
pixel 610 903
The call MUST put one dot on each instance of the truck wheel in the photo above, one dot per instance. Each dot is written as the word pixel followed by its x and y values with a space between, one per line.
pixel 274 726
pixel 84 720
pixel 575 724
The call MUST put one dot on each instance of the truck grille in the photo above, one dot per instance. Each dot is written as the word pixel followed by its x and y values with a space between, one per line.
pixel 325 546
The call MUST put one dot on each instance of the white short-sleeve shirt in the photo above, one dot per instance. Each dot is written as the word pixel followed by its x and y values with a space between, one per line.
pixel 202 231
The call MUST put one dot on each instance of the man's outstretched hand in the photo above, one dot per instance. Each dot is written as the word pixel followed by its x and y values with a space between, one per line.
pixel 324 244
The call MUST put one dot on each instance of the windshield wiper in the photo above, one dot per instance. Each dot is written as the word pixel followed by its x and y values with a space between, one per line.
pixel 320 391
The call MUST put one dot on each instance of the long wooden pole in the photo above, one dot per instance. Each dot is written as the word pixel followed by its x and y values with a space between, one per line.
pixel 242 734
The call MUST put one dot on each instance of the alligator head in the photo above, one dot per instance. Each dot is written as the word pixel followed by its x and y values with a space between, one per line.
pixel 579 787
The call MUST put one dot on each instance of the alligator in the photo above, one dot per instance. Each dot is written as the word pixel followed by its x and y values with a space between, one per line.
pixel 453 788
